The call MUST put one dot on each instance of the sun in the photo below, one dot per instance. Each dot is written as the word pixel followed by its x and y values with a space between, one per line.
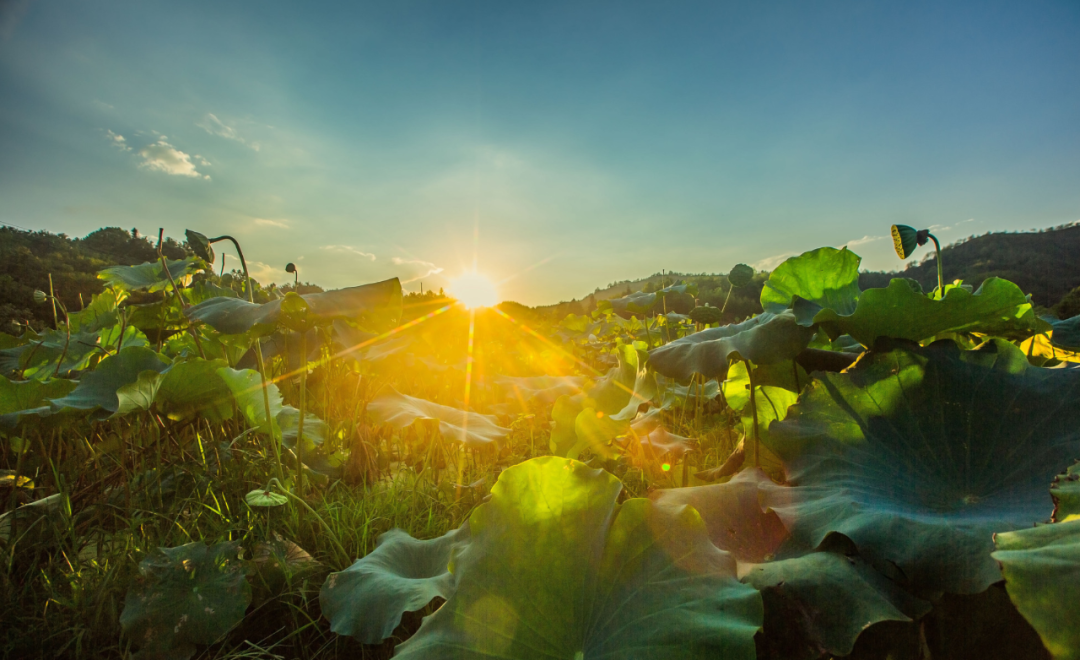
pixel 474 290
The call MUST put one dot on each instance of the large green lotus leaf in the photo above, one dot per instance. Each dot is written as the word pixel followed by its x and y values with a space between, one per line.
pixel 764 339
pixel 98 388
pixel 554 568
pixel 399 410
pixel 999 308
pixel 1041 566
pixel 193 387
pixel 246 388
pixel 202 291
pixel 150 276
pixel 402 574
pixel 100 313
pixel 918 454
pixel 189 595
pixel 596 432
pixel 1066 333
pixel 376 305
pixel 1066 493
pixel 817 601
pixel 826 276
pixel 29 397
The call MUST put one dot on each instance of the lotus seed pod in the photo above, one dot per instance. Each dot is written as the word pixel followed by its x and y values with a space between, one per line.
pixel 200 245
pixel 40 297
pixel 905 240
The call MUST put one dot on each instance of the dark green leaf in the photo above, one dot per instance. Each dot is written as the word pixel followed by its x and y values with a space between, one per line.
pixel 401 575
pixel 98 388
pixel 189 595
pixel 149 276
pixel 920 454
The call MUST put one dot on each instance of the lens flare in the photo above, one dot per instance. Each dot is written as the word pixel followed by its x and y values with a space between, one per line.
pixel 474 290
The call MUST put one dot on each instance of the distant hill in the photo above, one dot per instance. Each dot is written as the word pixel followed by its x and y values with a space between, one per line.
pixel 1044 263
pixel 27 258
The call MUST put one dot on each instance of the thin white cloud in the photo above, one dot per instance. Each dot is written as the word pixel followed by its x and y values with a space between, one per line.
pixel 266 222
pixel 118 141
pixel 769 263
pixel 348 249
pixel 939 228
pixel 416 269
pixel 163 157
pixel 862 241
pixel 214 126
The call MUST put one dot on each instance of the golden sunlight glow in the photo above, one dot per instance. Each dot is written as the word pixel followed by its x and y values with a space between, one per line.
pixel 474 290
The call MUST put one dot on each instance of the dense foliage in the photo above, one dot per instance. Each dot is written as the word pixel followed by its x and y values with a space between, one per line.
pixel 193 466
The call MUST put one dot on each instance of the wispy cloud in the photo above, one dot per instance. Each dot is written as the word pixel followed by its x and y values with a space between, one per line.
pixel 266 222
pixel 118 141
pixel 769 263
pixel 415 269
pixel 862 241
pixel 163 157
pixel 348 249
pixel 214 126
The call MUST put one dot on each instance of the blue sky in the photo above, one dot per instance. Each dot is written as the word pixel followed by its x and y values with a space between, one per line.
pixel 564 145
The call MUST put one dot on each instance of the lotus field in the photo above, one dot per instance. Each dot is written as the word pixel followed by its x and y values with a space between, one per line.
pixel 195 466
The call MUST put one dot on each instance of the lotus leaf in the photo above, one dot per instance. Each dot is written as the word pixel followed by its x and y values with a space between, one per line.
pixel 826 277
pixel 564 419
pixel 315 433
pixel 401 574
pixel 377 304
pixel 149 276
pixel 265 498
pixel 554 568
pixel 189 595
pixel 1066 493
pixel 99 388
pixel 193 387
pixel 246 388
pixel 816 602
pixel 1066 333
pixel 29 397
pixel 100 313
pixel 765 339
pixel 138 395
pixel 469 428
pixel 641 302
pixel 918 454
pixel 999 307
pixel 1041 566
pixel 39 358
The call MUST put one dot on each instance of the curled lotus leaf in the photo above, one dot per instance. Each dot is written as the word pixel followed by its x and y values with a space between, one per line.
pixel 554 567
pixel 919 454
pixel 188 595
pixel 98 389
pixel 377 305
pixel 764 339
pixel 399 411
pixel 706 315
pixel 402 574
pixel 817 601
pixel 826 277
pixel 1041 566
pixel 150 276
pixel 998 308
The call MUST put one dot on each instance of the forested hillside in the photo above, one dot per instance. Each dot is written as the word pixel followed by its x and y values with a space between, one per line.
pixel 1045 263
